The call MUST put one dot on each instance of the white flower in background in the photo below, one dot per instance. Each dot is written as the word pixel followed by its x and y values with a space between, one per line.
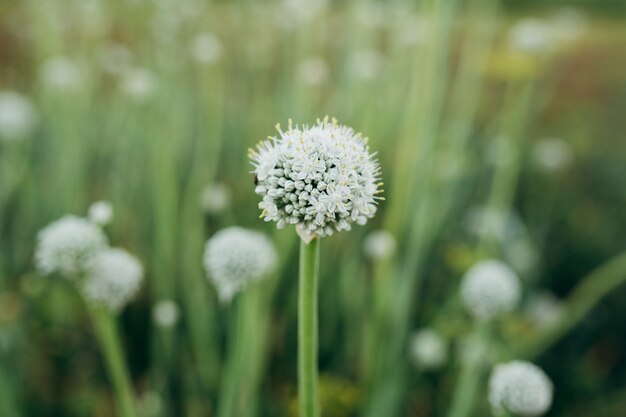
pixel 299 12
pixel 490 288
pixel 61 74
pixel 568 25
pixel 544 309
pixel 206 48
pixel 113 279
pixel 552 154
pixel 372 15
pixel 412 30
pixel 428 350
pixel 530 35
pixel 520 388
pixel 215 198
pixel 366 64
pixel 100 213
pixel 379 245
pixel 313 71
pixel 68 245
pixel 17 116
pixel 321 179
pixel 235 257
pixel 165 313
pixel 139 84
pixel 115 58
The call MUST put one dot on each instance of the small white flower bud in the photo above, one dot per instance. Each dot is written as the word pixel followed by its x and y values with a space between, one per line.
pixel 489 289
pixel 215 198
pixel 379 245
pixel 428 350
pixel 234 257
pixel 165 313
pixel 100 213
pixel 17 116
pixel 520 388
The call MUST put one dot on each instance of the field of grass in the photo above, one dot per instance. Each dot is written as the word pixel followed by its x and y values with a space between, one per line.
pixel 500 135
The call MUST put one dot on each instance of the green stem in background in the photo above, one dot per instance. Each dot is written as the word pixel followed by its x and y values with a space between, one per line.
pixel 107 334
pixel 470 377
pixel 307 329
pixel 583 298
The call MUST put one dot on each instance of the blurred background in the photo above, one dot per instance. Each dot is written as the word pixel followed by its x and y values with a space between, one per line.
pixel 501 133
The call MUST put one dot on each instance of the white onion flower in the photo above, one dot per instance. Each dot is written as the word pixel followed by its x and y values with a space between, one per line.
pixel 68 245
pixel 165 313
pixel 113 279
pixel 61 74
pixel 235 257
pixel 139 84
pixel 489 289
pixel 215 198
pixel 100 213
pixel 379 245
pixel 552 154
pixel 313 71
pixel 520 388
pixel 428 350
pixel 530 35
pixel 17 116
pixel 321 179
pixel 205 48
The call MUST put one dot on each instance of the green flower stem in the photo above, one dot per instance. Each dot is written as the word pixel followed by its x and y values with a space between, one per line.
pixel 583 298
pixel 307 329
pixel 469 382
pixel 107 334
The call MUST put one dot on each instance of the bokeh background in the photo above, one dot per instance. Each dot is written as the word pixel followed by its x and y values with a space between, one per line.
pixel 501 133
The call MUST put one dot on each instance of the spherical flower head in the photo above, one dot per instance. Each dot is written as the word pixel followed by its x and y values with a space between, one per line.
pixel 321 178
pixel 17 116
pixel 61 74
pixel 113 279
pixel 165 313
pixel 489 289
pixel 100 213
pixel 428 350
pixel 68 245
pixel 379 245
pixel 520 388
pixel 234 257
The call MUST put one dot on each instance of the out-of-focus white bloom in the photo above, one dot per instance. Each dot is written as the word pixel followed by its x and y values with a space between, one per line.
pixel 313 71
pixel 379 245
pixel 366 65
pixel 165 313
pixel 61 74
pixel 412 30
pixel 115 58
pixel 68 245
pixel 552 154
pixel 321 179
pixel 544 309
pixel 113 279
pixel 215 198
pixel 206 48
pixel 490 288
pixel 100 213
pixel 235 257
pixel 17 116
pixel 299 12
pixel 151 403
pixel 530 35
pixel 568 25
pixel 139 84
pixel 372 15
pixel 428 349
pixel 520 388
